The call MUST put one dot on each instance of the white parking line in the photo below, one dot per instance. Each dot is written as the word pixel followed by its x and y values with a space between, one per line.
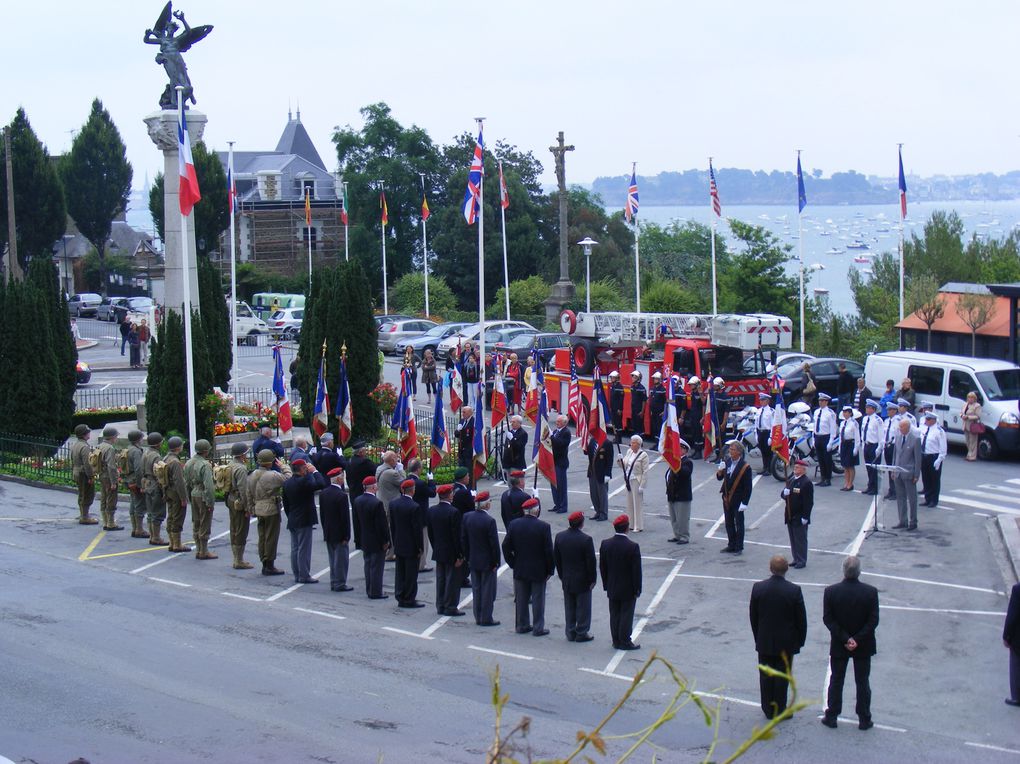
pixel 607 673
pixel 885 727
pixel 991 747
pixel 242 597
pixel 735 578
pixel 295 587
pixel 933 583
pixel 334 616
pixel 728 698
pixel 943 610
pixel 980 505
pixel 168 581
pixel 757 523
pixel 501 652
pixel 171 556
pixel 985 495
pixel 406 633
pixel 649 612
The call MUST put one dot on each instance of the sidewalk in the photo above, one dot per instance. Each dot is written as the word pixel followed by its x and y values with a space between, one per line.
pixel 1009 528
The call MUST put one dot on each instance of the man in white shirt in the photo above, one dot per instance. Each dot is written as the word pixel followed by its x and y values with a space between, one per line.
pixel 904 410
pixel 763 424
pixel 872 431
pixel 889 432
pixel 933 453
pixel 824 428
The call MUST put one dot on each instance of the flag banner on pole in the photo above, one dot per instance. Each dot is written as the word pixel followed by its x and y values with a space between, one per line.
pixel 630 211
pixel 403 420
pixel 780 441
pixel 541 452
pixel 187 192
pixel 582 424
pixel 537 381
pixel 801 193
pixel 708 424
pixel 504 195
pixel 713 191
pixel 481 458
pixel 231 188
pixel 345 414
pixel 440 438
pixel 343 209
pixel 308 208
pixel 384 208
pixel 574 394
pixel 286 424
pixel 455 384
pixel 599 425
pixel 669 437
pixel 473 194
pixel 903 188
pixel 320 414
pixel 499 401
pixel 424 208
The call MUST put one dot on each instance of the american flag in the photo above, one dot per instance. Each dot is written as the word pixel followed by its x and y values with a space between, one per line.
pixel 574 394
pixel 473 194
pixel 713 191
pixel 504 195
pixel 903 188
pixel 630 211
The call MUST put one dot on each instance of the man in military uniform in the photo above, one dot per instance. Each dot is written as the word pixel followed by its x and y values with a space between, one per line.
pixel 155 503
pixel 372 537
pixel 198 475
pixel 638 396
pixel 109 479
pixel 133 480
pixel 237 507
pixel 480 544
pixel 799 496
pixel 574 557
pixel 176 493
pixel 656 406
pixel 616 404
pixel 335 514
pixel 84 477
pixel 444 527
pixel 406 533
pixel 263 490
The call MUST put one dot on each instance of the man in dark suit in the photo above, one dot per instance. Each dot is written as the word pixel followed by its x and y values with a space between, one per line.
pixel 779 625
pixel 620 566
pixel 424 489
pixel 574 557
pixel 560 444
pixel 656 406
pixel 638 397
pixel 515 447
pixel 335 514
pixel 480 542
pixel 464 501
pixel 326 458
pixel 850 613
pixel 372 537
pixel 528 551
pixel 465 435
pixel 358 468
pixel 405 531
pixel 799 496
pixel 1011 639
pixel 600 472
pixel 735 474
pixel 444 525
pixel 299 504
pixel 511 503
pixel 616 392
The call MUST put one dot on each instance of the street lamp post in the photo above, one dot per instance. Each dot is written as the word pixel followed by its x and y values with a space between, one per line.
pixel 587 243
pixel 67 280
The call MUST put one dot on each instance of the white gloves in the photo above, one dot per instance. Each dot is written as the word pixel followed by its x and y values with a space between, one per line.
pixel 400 466
pixel 508 435
pixel 803 521
pixel 430 476
pixel 786 492
pixel 641 491
pixel 938 463
pixel 741 508
pixel 607 479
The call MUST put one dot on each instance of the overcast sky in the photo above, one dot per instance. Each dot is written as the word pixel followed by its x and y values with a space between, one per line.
pixel 666 84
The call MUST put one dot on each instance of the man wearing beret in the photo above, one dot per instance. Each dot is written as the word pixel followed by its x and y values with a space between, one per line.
pixel 335 514
pixel 405 530
pixel 528 550
pixel 620 566
pixel 799 496
pixel 511 503
pixel 263 489
pixel 198 476
pixel 480 542
pixel 237 508
pixel 372 537
pixel 299 504
pixel 84 476
pixel 574 558
pixel 444 528
pixel 109 479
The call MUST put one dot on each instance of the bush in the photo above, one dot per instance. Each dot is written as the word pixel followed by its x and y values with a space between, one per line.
pixel 407 295
pixel 527 296
pixel 97 419
pixel 605 295
pixel 669 296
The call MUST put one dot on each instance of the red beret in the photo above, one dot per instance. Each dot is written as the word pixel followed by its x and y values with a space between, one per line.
pixel 409 483
pixel 335 471
pixel 368 481
pixel 298 463
pixel 801 463
pixel 529 503
pixel 575 517
pixel 517 473
pixel 445 490
pixel 621 521
pixel 481 496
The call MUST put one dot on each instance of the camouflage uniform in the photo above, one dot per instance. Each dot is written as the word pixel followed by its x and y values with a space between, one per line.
pixel 198 475
pixel 264 489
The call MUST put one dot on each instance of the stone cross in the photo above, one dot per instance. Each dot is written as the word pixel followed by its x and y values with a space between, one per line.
pixel 560 152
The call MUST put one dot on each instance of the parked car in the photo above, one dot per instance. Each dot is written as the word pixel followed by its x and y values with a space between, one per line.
pixel 472 332
pixel 84 304
pixel 385 318
pixel 545 342
pixel 83 373
pixel 429 340
pixel 286 323
pixel 131 305
pixel 393 331
pixel 824 370
pixel 104 310
pixel 249 326
pixel 753 364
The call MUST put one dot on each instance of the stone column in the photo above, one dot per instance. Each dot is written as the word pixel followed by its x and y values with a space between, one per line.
pixel 163 132
pixel 563 290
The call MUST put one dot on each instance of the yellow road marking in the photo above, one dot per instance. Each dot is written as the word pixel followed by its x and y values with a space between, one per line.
pixel 121 554
pixel 88 550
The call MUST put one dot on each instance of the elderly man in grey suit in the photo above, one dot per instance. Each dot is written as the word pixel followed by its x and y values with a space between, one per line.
pixel 907 456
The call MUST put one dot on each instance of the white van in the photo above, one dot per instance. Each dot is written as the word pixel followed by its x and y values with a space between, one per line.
pixel 945 380
pixel 249 326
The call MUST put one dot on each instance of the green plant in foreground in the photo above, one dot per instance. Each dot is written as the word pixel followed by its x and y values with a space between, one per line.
pixel 506 747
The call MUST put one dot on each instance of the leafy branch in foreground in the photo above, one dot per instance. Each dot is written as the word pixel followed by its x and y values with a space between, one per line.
pixel 507 747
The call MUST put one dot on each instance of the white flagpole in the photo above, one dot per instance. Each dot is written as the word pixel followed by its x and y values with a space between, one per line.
pixel 236 365
pixel 385 297
pixel 800 247
pixel 347 217
pixel 189 358
pixel 425 248
pixel 308 225
pixel 902 217
pixel 711 204
pixel 637 258
pixel 506 270
pixel 481 275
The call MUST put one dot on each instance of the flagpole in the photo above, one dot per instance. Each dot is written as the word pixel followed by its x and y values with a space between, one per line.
pixel 385 297
pixel 506 271
pixel 236 365
pixel 308 225
pixel 425 248
pixel 902 219
pixel 637 268
pixel 347 218
pixel 189 358
pixel 715 307
pixel 800 246
pixel 481 275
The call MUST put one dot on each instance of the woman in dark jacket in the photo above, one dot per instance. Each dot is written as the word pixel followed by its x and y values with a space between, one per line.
pixel 679 496
pixel 428 374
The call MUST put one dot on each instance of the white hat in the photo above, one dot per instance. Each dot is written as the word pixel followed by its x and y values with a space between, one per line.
pixel 636 373
pixel 614 374
pixel 657 374
pixel 717 381
pixel 693 378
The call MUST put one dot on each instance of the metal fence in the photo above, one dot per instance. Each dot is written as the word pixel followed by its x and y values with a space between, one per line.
pixel 35 459
pixel 86 399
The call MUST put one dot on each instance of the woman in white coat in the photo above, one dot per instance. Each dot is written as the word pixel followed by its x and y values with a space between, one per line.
pixel 635 473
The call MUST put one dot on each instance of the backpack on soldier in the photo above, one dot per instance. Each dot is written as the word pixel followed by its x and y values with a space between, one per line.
pixel 123 462
pixel 95 460
pixel 159 470
pixel 222 477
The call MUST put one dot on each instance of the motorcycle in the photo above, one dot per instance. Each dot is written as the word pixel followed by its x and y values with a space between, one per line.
pixel 802 446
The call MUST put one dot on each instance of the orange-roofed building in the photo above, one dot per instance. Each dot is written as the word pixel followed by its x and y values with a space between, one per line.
pixel 951 335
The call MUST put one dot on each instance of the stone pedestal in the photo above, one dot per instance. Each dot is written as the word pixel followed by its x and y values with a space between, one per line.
pixel 561 293
pixel 163 132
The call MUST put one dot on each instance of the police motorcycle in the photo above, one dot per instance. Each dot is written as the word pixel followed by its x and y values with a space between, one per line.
pixel 799 431
pixel 743 426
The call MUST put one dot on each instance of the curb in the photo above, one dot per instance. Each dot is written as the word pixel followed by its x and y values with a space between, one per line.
pixel 107 369
pixel 1010 531
pixel 65 488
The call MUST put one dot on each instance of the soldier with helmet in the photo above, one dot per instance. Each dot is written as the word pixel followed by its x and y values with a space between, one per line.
pixel 237 507
pixel 176 493
pixel 155 501
pixel 616 404
pixel 133 480
pixel 198 475
pixel 638 396
pixel 109 479
pixel 84 477
pixel 264 492
pixel 656 406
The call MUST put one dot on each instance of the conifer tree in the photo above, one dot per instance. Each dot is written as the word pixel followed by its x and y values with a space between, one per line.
pixel 360 333
pixel 42 275
pixel 167 393
pixel 215 321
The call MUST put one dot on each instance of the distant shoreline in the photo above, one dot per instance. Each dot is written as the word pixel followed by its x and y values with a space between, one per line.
pixel 893 202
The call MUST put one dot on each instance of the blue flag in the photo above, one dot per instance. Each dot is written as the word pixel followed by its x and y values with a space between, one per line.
pixel 801 195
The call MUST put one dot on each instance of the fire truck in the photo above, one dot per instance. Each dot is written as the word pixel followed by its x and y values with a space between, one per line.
pixel 736 347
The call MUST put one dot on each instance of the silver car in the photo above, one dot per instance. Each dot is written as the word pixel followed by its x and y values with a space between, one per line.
pixel 395 331
pixel 286 323
pixel 84 304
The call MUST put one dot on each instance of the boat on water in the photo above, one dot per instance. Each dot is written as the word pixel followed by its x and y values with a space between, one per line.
pixel 867 271
pixel 835 251
pixel 857 244
pixel 829 233
pixel 862 259
pixel 821 291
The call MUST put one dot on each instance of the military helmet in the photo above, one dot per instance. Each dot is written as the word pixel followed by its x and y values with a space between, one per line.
pixel 266 456
pixel 82 430
pixel 238 448
pixel 110 432
pixel 174 442
pixel 203 446
pixel 135 435
pixel 154 439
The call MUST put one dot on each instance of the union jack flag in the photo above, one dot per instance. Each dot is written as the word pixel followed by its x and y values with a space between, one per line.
pixel 630 211
pixel 473 194
pixel 713 191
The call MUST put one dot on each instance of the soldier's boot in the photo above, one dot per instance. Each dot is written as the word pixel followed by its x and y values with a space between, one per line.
pixel 176 545
pixel 154 538
pixel 84 518
pixel 137 532
pixel 239 563
pixel 111 523
pixel 203 551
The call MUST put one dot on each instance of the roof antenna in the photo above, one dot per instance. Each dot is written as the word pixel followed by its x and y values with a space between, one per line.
pixel 290 116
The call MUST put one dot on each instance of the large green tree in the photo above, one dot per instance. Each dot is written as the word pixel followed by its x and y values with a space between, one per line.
pixel 41 215
pixel 42 275
pixel 215 322
pixel 97 180
pixel 753 278
pixel 212 215
pixel 682 252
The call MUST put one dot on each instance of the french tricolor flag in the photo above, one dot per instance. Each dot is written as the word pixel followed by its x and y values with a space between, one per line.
pixel 188 192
